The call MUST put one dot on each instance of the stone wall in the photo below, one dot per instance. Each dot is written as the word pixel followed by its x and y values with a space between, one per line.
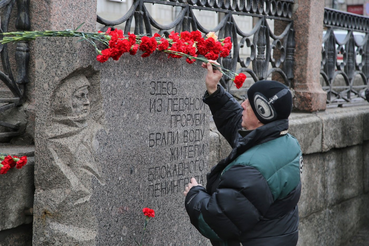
pixel 335 193
pixel 16 199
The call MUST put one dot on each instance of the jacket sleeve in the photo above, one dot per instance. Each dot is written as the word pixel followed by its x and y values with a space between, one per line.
pixel 241 200
pixel 227 114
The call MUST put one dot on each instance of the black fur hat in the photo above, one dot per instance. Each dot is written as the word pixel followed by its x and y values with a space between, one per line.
pixel 270 100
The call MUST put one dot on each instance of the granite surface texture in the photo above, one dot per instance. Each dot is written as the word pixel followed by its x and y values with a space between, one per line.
pixel 61 15
pixel 112 139
pixel 307 18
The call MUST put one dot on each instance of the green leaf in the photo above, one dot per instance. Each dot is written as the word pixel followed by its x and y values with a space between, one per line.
pixel 79 26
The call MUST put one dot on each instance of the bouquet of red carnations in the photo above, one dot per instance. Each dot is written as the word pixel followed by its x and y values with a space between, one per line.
pixel 8 162
pixel 191 45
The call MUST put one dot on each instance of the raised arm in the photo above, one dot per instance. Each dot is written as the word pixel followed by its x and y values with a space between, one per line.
pixel 227 112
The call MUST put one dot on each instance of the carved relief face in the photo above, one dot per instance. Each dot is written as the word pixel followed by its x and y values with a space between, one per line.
pixel 80 102
pixel 71 99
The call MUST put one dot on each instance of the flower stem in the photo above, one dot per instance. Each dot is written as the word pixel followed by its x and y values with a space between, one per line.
pixel 10 37
pixel 143 234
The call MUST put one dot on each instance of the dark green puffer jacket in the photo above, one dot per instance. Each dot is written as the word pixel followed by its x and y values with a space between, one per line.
pixel 251 196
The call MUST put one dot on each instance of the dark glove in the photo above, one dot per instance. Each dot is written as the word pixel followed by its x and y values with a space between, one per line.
pixel 367 94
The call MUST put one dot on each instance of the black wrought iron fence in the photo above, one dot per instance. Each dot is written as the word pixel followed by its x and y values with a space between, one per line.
pixel 13 75
pixel 345 57
pixel 258 51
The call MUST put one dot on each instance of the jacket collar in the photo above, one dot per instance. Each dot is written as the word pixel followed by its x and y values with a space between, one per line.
pixel 263 134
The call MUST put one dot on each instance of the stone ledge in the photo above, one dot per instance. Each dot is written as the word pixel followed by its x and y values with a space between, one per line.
pixel 20 236
pixel 343 127
pixel 323 131
pixel 17 189
pixel 307 124
pixel 18 150
pixel 333 128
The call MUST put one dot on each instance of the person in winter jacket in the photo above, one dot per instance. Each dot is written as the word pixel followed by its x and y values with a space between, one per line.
pixel 251 196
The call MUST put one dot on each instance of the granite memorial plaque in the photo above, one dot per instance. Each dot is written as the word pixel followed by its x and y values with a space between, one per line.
pixel 112 139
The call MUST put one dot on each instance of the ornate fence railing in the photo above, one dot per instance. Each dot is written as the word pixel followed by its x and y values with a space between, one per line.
pixel 268 53
pixel 345 57
pixel 258 51
pixel 12 93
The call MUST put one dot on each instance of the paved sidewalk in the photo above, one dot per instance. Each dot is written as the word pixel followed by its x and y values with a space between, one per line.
pixel 361 238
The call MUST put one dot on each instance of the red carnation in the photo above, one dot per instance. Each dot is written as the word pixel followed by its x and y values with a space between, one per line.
pixel 225 53
pixel 239 80
pixel 190 48
pixel 132 38
pixel 217 48
pixel 122 46
pixel 105 55
pixel 8 160
pixel 22 161
pixel 148 45
pixel 186 35
pixel 4 169
pixel 211 56
pixel 227 40
pixel 174 36
pixel 227 46
pixel 101 58
pixel 108 31
pixel 112 42
pixel 163 45
pixel 133 49
pixel 150 213
pixel 210 43
pixel 117 33
pixel 114 53
pixel 197 36
pixel 178 46
pixel 190 61
pixel 201 48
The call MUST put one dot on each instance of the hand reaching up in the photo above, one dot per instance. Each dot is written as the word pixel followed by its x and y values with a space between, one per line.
pixel 213 76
